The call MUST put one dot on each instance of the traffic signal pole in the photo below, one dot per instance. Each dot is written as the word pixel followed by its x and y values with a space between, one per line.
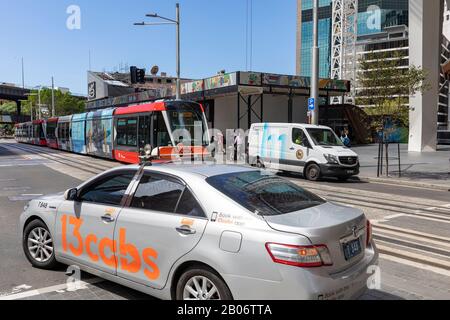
pixel 315 66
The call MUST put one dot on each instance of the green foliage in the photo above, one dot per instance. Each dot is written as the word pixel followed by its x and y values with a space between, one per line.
pixel 388 81
pixel 65 103
pixel 8 108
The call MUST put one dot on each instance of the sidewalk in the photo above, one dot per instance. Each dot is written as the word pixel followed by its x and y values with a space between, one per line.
pixel 430 169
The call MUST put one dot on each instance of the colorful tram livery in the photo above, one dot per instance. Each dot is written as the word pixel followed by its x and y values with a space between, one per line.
pixel 173 128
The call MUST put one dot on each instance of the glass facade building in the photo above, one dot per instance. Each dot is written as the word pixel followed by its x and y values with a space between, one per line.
pixel 325 9
pixel 373 17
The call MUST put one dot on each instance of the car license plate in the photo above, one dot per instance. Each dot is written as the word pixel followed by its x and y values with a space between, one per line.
pixel 352 249
pixel 350 171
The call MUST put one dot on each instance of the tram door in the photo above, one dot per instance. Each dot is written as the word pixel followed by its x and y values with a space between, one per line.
pixel 144 131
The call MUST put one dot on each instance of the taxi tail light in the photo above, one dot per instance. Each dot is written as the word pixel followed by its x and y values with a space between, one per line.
pixel 300 256
pixel 368 233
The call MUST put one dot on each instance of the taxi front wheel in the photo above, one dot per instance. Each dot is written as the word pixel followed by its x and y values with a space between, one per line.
pixel 202 284
pixel 38 245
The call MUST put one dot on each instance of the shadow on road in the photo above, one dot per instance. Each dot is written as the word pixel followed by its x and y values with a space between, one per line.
pixel 292 175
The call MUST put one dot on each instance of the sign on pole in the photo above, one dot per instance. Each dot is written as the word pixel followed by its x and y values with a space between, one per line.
pixel 311 104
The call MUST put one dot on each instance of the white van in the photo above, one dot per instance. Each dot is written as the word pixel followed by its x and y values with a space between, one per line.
pixel 314 151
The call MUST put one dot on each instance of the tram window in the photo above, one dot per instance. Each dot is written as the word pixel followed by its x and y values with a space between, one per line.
pixel 144 130
pixel 127 132
pixel 190 121
pixel 51 130
pixel 162 134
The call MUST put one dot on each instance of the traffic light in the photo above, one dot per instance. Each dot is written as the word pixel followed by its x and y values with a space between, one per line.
pixel 133 73
pixel 137 75
pixel 140 76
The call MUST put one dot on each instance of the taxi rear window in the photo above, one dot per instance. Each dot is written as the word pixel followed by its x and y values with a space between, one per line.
pixel 263 194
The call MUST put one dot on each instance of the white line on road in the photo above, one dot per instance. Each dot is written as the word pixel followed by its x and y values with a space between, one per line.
pixel 415 264
pixel 32 293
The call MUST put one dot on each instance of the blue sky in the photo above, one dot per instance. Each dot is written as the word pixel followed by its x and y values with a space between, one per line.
pixel 213 38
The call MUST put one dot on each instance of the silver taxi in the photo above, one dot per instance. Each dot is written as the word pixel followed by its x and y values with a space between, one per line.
pixel 203 232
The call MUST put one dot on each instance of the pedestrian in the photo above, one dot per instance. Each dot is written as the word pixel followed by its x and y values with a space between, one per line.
pixel 345 138
pixel 239 146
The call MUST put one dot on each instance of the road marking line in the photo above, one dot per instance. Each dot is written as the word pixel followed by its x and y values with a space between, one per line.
pixel 411 255
pixel 412 237
pixel 444 220
pixel 385 219
pixel 59 287
pixel 413 232
pixel 415 264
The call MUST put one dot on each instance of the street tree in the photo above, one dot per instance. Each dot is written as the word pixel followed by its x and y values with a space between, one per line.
pixel 387 82
pixel 65 102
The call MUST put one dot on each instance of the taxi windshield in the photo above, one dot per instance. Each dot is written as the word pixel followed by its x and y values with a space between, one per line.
pixel 325 137
pixel 264 194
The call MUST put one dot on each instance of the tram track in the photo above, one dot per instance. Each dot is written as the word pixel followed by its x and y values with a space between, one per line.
pixel 73 156
pixel 436 211
pixel 66 162
pixel 327 192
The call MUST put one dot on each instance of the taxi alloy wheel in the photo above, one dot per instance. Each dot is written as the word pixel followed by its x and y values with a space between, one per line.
pixel 200 288
pixel 38 245
pixel 202 284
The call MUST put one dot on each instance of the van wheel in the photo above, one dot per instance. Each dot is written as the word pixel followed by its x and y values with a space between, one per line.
pixel 202 284
pixel 312 172
pixel 38 245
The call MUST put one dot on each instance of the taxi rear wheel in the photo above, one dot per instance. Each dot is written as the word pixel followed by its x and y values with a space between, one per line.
pixel 38 245
pixel 201 284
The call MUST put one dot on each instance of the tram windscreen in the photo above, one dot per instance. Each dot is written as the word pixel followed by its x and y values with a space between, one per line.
pixel 187 120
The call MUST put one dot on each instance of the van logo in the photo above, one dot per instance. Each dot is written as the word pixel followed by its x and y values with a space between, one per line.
pixel 300 154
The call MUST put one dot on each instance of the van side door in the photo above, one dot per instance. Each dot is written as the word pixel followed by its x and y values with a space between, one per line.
pixel 298 150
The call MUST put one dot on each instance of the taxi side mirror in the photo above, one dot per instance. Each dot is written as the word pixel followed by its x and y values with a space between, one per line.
pixel 71 194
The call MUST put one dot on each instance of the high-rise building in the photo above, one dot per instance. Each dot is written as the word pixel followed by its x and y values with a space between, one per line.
pixel 305 37
pixel 374 16
pixel 382 26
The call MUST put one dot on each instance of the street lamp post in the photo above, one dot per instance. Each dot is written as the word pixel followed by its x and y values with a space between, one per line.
pixel 53 97
pixel 31 104
pixel 39 102
pixel 315 65
pixel 177 23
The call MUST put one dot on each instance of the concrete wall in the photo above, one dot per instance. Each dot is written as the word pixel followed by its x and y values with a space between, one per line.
pixel 425 24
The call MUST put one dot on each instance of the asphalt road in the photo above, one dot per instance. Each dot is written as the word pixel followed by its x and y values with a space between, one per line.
pixel 410 223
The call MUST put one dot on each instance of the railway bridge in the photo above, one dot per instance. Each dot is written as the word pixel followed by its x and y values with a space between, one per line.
pixel 13 93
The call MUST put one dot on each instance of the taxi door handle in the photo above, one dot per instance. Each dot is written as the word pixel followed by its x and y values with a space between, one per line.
pixel 108 218
pixel 185 230
pixel 292 148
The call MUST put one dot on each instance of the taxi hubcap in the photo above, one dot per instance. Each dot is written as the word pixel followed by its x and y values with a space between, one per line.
pixel 200 288
pixel 40 244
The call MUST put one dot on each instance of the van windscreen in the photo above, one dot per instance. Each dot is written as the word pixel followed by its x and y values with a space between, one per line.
pixel 264 194
pixel 325 137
